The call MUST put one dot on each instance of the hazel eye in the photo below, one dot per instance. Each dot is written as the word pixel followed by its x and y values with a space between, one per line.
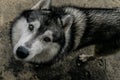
pixel 31 27
pixel 46 39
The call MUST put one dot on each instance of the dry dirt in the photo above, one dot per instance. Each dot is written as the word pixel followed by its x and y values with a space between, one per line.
pixel 14 70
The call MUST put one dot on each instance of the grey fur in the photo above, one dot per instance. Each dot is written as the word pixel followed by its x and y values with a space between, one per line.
pixel 70 28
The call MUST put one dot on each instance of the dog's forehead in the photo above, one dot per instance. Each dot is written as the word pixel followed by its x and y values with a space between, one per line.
pixel 47 22
pixel 43 16
pixel 32 15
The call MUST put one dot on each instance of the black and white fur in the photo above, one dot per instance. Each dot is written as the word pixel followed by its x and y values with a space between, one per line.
pixel 60 30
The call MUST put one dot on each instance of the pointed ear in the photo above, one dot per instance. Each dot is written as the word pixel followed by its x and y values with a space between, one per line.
pixel 67 22
pixel 42 4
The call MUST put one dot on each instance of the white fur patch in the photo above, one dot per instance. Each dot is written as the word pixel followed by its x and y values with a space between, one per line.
pixel 47 53
pixel 21 33
pixel 18 29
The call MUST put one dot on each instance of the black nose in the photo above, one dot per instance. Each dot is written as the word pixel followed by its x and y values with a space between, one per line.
pixel 22 52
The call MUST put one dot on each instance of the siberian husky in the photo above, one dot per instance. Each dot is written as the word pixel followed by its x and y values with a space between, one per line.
pixel 44 32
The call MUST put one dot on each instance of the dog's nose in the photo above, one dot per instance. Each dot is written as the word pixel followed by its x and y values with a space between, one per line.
pixel 22 52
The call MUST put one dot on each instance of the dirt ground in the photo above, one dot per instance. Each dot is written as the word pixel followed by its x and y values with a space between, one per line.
pixel 14 70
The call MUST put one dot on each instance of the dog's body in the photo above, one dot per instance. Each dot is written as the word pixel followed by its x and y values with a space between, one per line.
pixel 43 32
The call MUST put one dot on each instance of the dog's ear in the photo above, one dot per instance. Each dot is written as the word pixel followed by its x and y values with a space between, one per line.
pixel 42 4
pixel 67 21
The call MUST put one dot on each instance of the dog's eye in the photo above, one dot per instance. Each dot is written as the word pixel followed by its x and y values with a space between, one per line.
pixel 31 27
pixel 46 39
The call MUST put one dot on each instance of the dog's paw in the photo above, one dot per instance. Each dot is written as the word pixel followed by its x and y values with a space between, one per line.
pixel 83 57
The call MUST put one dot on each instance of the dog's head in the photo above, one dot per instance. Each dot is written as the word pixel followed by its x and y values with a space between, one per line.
pixel 38 35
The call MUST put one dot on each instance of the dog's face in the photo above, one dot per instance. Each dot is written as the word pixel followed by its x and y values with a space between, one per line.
pixel 39 37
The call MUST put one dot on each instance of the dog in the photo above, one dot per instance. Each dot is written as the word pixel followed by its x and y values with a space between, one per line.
pixel 44 32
